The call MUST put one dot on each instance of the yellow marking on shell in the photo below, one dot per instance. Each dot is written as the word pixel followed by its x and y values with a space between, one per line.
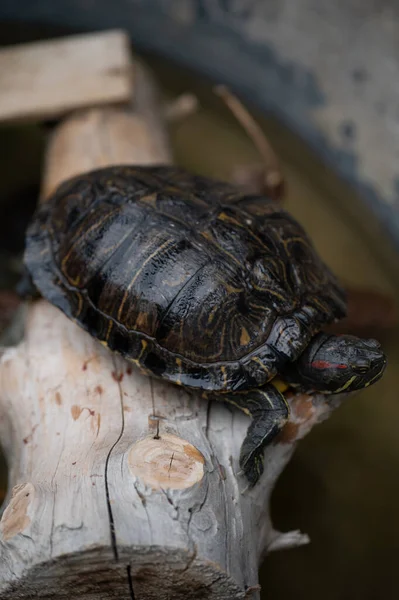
pixel 224 374
pixel 299 239
pixel 278 266
pixel 179 364
pixel 232 290
pixel 280 385
pixel 223 217
pixel 142 321
pixel 259 362
pixel 77 237
pixel 283 265
pixel 172 190
pixel 208 237
pixel 103 343
pixel 268 291
pixel 74 280
pixel 324 307
pixel 347 384
pixel 104 253
pixel 172 218
pixel 260 306
pixel 144 345
pixel 110 324
pixel 244 337
pixel 80 305
pixel 222 337
pixel 147 260
pixel 212 314
pixel 151 200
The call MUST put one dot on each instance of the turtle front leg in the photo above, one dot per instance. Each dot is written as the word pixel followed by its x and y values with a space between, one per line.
pixel 269 411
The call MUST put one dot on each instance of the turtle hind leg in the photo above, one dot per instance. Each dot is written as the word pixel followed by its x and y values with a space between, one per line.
pixel 269 411
pixel 25 287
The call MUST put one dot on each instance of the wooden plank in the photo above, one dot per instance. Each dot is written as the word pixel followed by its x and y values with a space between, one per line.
pixel 45 80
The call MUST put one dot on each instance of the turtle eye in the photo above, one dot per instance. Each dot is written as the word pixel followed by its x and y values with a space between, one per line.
pixel 362 366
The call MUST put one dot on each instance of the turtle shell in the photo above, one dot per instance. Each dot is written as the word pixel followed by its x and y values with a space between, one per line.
pixel 193 280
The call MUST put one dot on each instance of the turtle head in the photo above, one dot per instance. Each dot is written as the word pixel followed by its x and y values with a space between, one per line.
pixel 332 364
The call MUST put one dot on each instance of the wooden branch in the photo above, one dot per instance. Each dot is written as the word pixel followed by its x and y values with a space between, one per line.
pixel 268 175
pixel 122 486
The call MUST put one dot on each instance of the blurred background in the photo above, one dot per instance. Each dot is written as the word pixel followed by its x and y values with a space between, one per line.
pixel 341 486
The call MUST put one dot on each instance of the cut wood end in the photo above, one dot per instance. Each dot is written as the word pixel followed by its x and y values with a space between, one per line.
pixel 166 462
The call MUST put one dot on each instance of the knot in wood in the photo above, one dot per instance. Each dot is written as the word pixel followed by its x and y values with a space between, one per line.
pixel 167 462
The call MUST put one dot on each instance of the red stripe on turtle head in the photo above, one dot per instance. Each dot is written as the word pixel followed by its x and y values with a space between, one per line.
pixel 324 364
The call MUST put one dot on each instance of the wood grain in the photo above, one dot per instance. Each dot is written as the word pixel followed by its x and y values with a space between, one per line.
pixel 45 80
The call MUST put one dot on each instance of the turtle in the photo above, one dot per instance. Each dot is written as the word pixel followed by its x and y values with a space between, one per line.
pixel 202 285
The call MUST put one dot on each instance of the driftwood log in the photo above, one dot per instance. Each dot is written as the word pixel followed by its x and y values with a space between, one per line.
pixel 121 486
